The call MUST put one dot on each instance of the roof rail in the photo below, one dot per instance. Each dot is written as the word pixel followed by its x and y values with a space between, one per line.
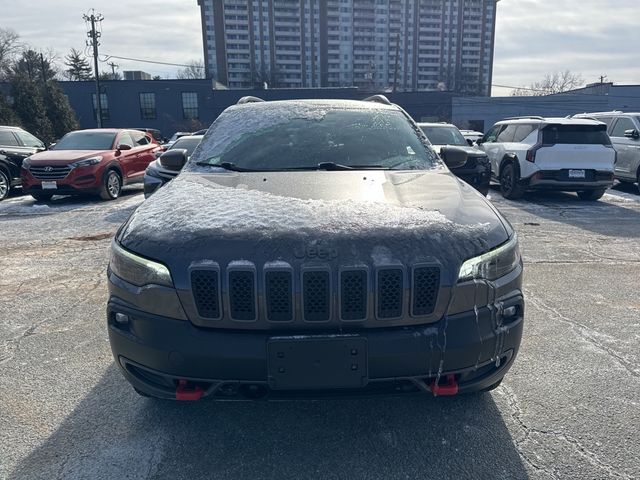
pixel 525 117
pixel 378 99
pixel 249 99
pixel 612 112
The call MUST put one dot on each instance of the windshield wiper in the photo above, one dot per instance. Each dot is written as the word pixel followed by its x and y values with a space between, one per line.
pixel 227 166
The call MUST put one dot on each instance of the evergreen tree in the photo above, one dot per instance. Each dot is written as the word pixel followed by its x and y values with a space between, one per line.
pixel 29 106
pixel 59 111
pixel 34 66
pixel 79 66
pixel 7 115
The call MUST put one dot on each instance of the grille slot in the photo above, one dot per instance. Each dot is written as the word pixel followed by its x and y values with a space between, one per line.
pixel 316 295
pixel 353 295
pixel 205 285
pixel 390 289
pixel 278 296
pixel 426 284
pixel 49 172
pixel 242 295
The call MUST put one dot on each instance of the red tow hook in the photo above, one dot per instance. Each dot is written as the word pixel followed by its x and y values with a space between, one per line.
pixel 186 393
pixel 448 389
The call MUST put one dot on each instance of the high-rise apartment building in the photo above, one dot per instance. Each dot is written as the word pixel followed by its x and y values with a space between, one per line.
pixel 376 44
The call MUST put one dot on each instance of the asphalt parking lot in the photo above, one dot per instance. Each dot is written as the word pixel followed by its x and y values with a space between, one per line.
pixel 570 407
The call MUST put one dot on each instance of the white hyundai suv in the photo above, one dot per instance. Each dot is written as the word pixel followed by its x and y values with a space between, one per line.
pixel 535 153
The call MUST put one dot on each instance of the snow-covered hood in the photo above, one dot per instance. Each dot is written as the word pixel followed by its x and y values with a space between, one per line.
pixel 65 157
pixel 354 217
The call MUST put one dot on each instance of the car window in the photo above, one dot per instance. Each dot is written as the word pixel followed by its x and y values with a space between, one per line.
pixel 506 135
pixel 29 140
pixel 492 134
pixel 139 138
pixel 444 135
pixel 522 132
pixel 270 137
pixel 622 125
pixel 7 139
pixel 86 140
pixel 125 139
pixel 607 120
pixel 575 134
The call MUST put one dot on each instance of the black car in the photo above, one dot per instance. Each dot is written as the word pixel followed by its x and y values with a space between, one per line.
pixel 477 171
pixel 160 171
pixel 312 248
pixel 16 144
pixel 153 133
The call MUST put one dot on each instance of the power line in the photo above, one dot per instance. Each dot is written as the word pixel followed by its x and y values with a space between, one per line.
pixel 108 57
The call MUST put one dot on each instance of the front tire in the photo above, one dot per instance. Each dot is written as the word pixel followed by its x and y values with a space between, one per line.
pixel 509 185
pixel 5 185
pixel 591 195
pixel 111 186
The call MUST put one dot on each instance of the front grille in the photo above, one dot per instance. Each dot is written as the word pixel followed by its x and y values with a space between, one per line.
pixel 49 172
pixel 242 299
pixel 353 295
pixel 205 285
pixel 426 284
pixel 316 296
pixel 278 288
pixel 390 290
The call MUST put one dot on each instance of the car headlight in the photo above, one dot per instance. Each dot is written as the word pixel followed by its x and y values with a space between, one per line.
pixel 137 270
pixel 26 163
pixel 87 162
pixel 494 264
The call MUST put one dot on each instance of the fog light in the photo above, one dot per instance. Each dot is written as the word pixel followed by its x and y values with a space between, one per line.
pixel 122 319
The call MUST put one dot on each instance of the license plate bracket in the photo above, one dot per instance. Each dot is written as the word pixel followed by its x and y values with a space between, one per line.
pixel 575 173
pixel 49 185
pixel 317 362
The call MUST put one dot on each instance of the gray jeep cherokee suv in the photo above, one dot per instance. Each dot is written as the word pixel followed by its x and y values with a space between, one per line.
pixel 313 248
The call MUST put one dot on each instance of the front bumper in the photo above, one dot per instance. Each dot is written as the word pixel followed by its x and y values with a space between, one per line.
pixel 156 353
pixel 79 181
pixel 559 180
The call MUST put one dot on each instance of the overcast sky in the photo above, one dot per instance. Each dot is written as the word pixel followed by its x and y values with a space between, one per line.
pixel 534 37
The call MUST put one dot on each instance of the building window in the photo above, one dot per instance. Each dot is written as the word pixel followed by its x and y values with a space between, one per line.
pixel 148 106
pixel 189 105
pixel 104 106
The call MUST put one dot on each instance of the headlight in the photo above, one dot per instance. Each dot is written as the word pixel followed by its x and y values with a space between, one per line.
pixel 87 162
pixel 494 264
pixel 26 163
pixel 137 270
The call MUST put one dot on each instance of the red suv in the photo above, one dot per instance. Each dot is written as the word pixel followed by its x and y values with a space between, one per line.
pixel 98 161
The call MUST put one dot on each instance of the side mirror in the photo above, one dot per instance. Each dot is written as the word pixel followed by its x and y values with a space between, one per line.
pixel 453 157
pixel 480 141
pixel 470 142
pixel 635 134
pixel 174 159
pixel 124 146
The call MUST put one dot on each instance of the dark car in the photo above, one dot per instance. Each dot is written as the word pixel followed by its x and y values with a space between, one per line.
pixel 477 171
pixel 16 144
pixel 98 161
pixel 315 247
pixel 154 133
pixel 157 173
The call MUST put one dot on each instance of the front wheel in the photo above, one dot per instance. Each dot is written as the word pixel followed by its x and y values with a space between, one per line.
pixel 591 195
pixel 5 185
pixel 509 185
pixel 111 186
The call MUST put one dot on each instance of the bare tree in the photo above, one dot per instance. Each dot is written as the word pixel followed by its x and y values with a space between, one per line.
pixel 9 46
pixel 556 82
pixel 194 70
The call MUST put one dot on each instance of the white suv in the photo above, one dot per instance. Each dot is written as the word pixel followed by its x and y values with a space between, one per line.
pixel 535 153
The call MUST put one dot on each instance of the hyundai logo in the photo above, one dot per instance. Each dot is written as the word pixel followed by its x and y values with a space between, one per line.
pixel 48 169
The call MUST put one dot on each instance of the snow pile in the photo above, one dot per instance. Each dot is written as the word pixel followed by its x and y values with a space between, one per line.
pixel 190 205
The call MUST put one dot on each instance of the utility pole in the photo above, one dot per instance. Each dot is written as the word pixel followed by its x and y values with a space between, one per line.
pixel 94 35
pixel 602 78
pixel 113 66
pixel 395 67
pixel 44 76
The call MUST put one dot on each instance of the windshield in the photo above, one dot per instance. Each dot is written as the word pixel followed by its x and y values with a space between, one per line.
pixel 267 138
pixel 188 143
pixel 575 134
pixel 444 136
pixel 88 140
